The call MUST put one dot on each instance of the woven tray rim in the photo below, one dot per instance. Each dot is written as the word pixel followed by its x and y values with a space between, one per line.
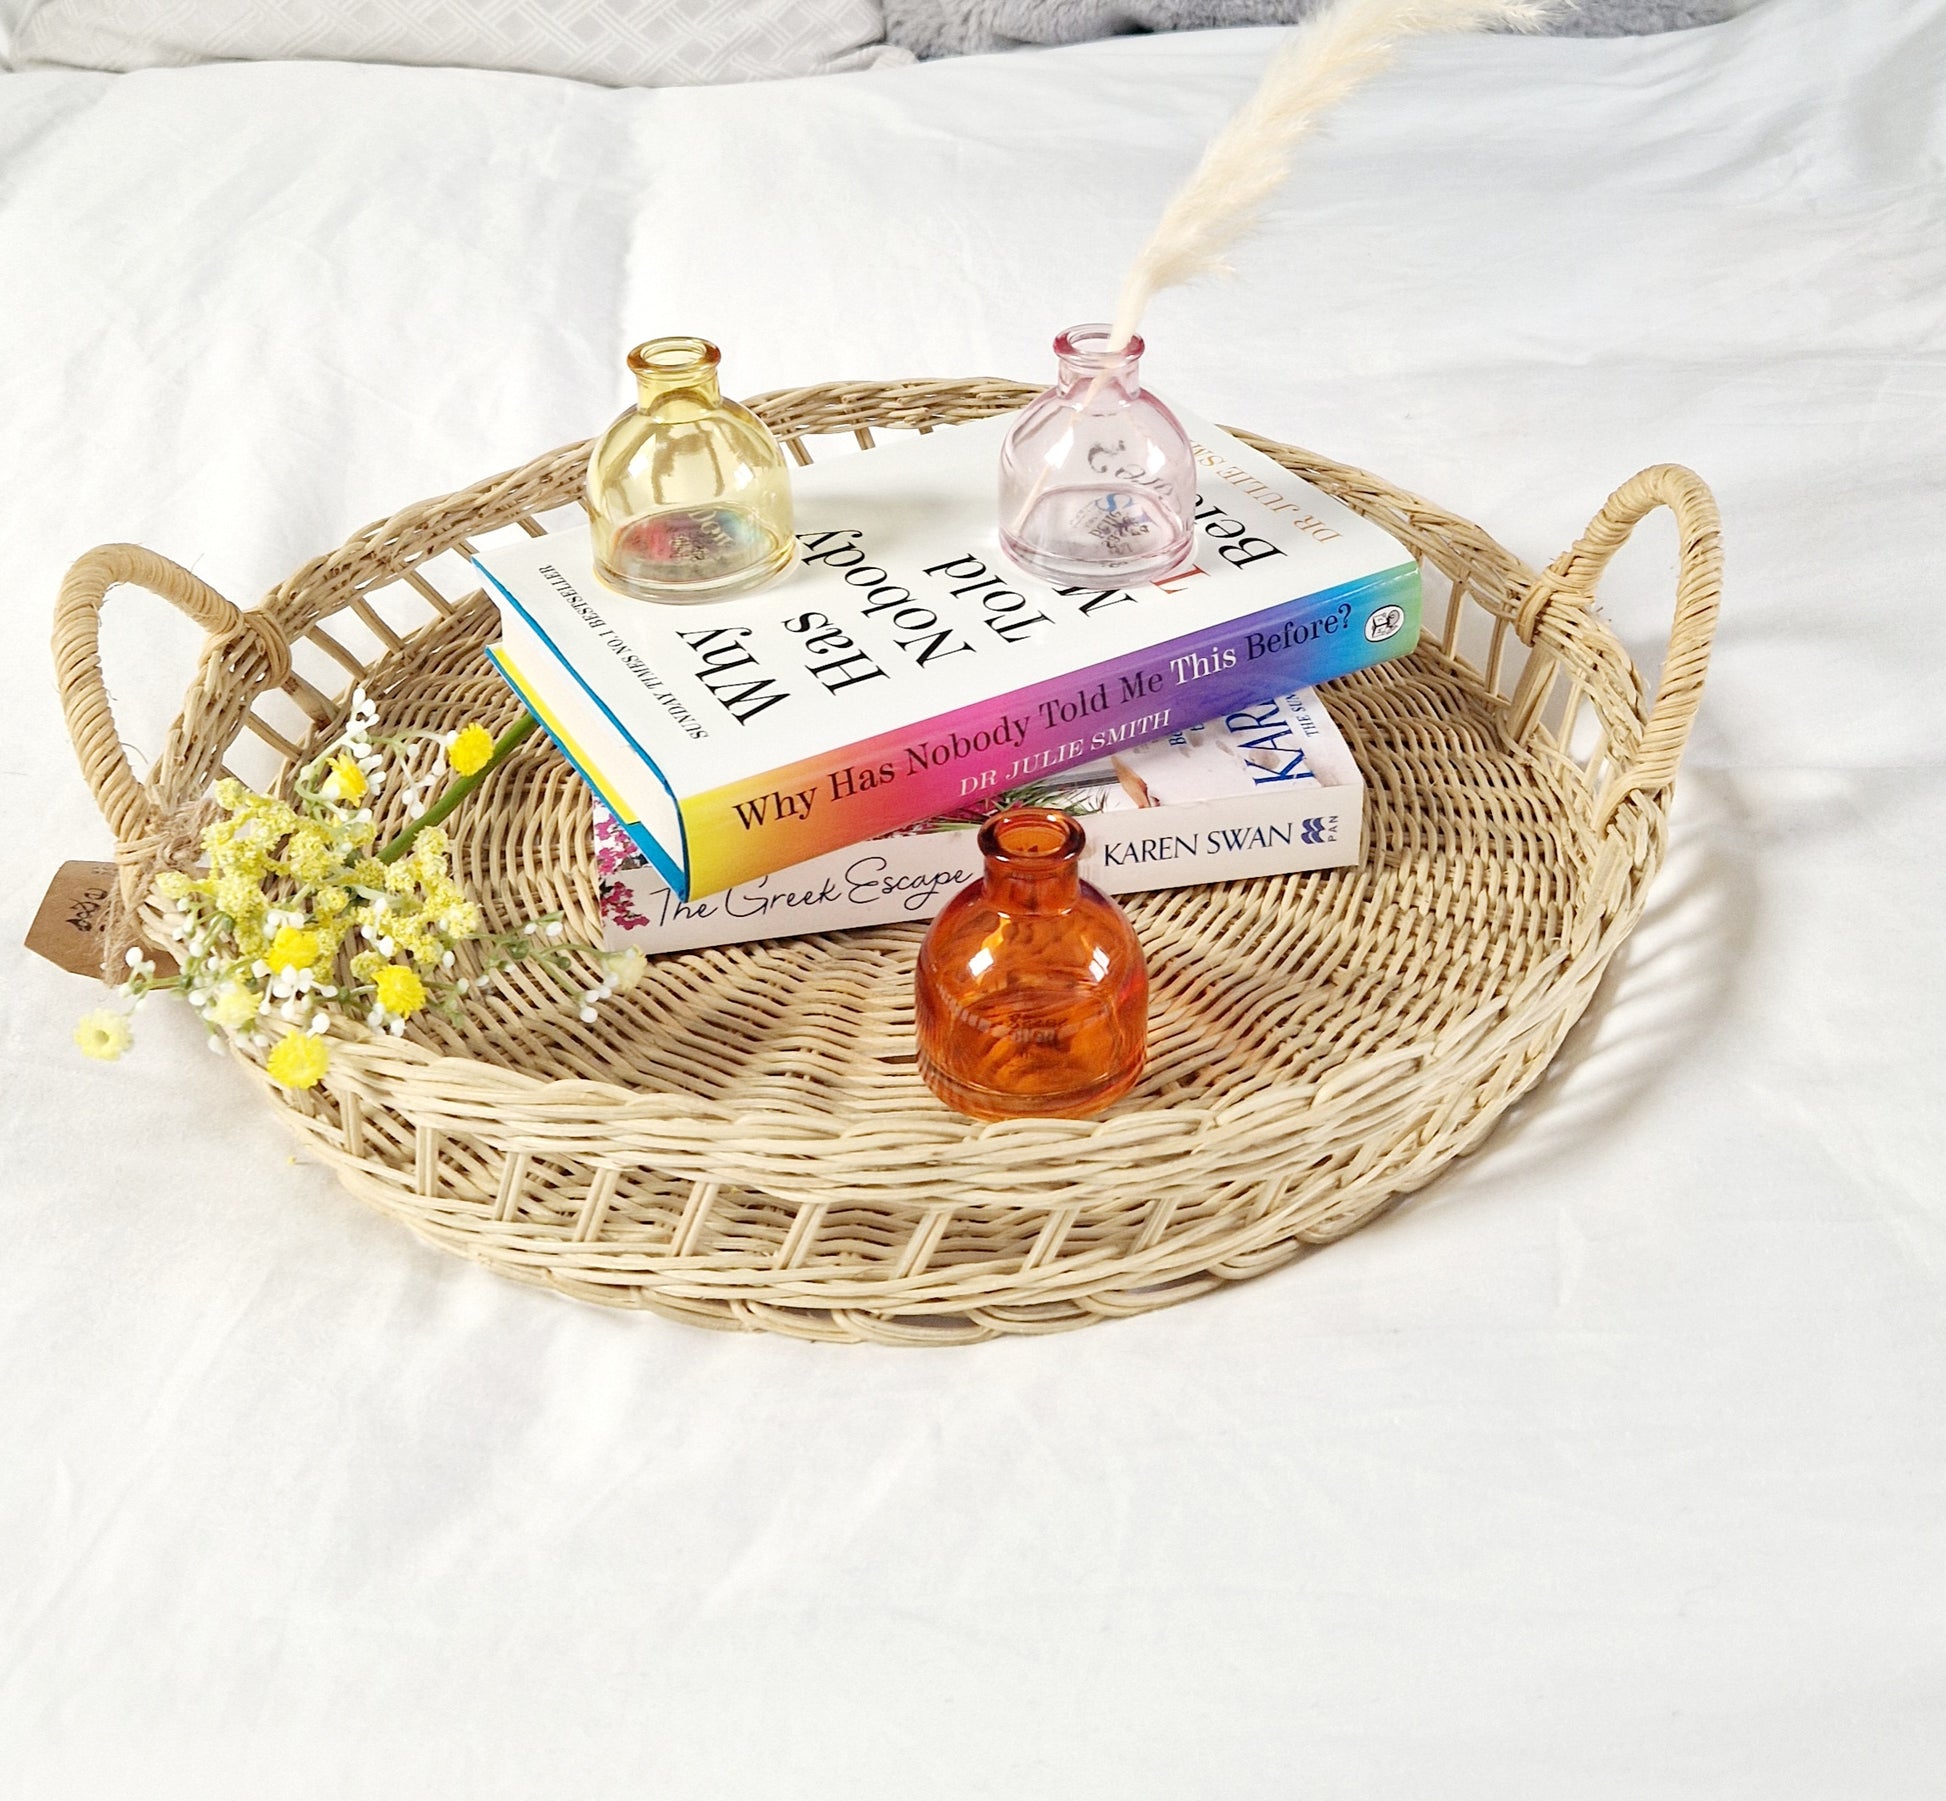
pixel 1037 1166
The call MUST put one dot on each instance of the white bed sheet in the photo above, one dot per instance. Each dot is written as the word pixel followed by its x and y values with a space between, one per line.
pixel 1614 1464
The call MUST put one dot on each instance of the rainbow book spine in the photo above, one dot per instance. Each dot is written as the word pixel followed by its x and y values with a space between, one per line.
pixel 865 789
pixel 895 779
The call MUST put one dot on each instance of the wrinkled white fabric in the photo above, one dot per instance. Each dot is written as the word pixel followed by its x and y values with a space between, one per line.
pixel 645 43
pixel 1613 1464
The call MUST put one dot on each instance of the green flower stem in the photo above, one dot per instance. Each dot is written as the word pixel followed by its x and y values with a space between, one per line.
pixel 457 790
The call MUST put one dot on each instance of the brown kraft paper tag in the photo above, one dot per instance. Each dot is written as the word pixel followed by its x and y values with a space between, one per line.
pixel 72 924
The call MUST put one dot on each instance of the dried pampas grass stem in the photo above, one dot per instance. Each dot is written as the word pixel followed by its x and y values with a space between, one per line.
pixel 1328 56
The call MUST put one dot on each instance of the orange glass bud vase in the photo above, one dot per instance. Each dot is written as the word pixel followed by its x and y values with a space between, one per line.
pixel 1032 998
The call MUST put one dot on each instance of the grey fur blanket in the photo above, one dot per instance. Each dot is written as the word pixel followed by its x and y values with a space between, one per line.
pixel 960 27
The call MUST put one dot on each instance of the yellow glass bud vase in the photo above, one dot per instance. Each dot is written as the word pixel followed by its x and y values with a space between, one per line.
pixel 688 493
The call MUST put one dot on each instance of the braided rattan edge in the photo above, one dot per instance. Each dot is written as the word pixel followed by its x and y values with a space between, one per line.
pixel 1059 1174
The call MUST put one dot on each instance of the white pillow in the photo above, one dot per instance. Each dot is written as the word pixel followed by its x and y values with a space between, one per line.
pixel 11 14
pixel 622 43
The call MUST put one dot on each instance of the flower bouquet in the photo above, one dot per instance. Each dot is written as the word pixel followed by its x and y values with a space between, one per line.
pixel 302 926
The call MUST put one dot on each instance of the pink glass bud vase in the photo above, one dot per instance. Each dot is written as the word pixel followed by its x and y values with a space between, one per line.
pixel 1097 480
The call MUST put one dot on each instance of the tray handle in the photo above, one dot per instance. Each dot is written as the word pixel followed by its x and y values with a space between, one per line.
pixel 143 816
pixel 130 806
pixel 1648 765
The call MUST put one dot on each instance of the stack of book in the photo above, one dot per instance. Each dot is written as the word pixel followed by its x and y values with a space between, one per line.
pixel 760 755
pixel 1265 791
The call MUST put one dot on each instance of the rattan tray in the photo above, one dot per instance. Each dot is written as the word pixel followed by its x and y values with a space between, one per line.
pixel 743 1141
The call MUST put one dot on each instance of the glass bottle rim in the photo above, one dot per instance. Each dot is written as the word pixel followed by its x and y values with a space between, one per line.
pixel 1032 840
pixel 673 356
pixel 1088 345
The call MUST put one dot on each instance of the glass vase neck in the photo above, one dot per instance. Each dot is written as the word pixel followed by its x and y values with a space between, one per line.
pixel 1086 363
pixel 1033 858
pixel 664 367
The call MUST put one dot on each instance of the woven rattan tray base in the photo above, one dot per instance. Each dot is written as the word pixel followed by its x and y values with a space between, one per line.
pixel 744 1141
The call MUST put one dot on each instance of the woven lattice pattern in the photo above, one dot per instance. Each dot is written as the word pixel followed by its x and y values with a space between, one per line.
pixel 744 1140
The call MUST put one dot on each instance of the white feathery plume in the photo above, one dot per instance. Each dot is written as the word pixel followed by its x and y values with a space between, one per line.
pixel 1328 56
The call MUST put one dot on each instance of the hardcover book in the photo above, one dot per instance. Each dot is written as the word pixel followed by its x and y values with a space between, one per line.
pixel 904 668
pixel 1265 791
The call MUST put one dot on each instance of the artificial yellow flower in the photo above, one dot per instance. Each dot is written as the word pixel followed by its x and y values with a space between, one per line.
pixel 104 1035
pixel 298 1060
pixel 330 902
pixel 417 943
pixel 239 896
pixel 471 750
pixel 255 823
pixel 235 1006
pixel 400 991
pixel 294 947
pixel 308 855
pixel 350 780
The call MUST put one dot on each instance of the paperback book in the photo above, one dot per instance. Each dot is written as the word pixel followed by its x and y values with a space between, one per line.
pixel 1265 791
pixel 903 668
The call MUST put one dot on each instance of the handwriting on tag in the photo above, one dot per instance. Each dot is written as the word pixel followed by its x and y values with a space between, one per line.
pixel 71 925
